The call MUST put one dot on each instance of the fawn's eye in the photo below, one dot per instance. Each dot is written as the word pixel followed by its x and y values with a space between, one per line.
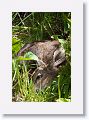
pixel 39 76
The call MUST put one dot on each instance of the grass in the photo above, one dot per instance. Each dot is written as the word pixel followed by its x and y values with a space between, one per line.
pixel 23 88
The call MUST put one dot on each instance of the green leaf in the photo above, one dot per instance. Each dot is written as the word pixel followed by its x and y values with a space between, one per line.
pixel 62 41
pixel 22 58
pixel 31 56
pixel 28 56
pixel 15 40
pixel 16 45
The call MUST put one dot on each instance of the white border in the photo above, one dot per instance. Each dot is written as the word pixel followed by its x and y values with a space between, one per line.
pixel 6 104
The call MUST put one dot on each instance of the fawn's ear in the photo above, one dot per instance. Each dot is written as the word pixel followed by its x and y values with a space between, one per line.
pixel 24 49
pixel 56 43
pixel 58 57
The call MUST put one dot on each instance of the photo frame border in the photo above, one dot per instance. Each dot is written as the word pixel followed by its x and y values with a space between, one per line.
pixel 76 104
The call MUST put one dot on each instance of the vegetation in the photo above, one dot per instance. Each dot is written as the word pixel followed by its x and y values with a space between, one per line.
pixel 28 27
